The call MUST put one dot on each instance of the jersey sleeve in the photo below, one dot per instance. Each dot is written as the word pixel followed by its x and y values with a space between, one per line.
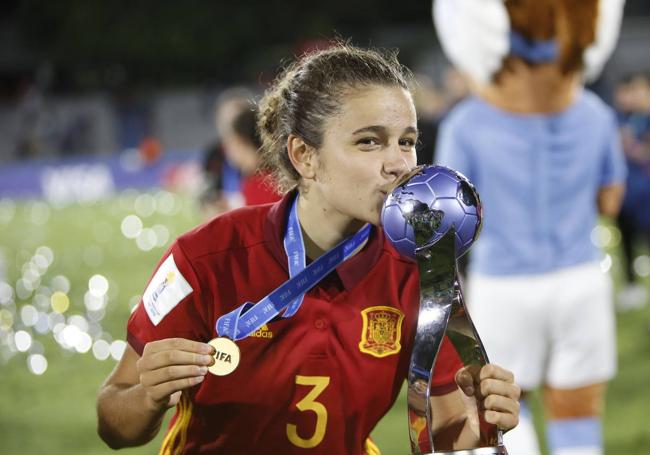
pixel 614 168
pixel 171 305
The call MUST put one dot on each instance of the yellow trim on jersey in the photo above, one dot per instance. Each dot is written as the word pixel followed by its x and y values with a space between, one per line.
pixel 176 437
pixel 371 448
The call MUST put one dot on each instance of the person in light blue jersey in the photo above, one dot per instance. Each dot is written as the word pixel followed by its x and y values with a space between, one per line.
pixel 545 156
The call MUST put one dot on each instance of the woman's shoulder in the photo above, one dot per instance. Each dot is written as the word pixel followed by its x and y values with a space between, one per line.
pixel 236 229
pixel 590 104
pixel 466 110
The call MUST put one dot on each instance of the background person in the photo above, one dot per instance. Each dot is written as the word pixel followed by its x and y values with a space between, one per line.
pixel 632 98
pixel 242 146
pixel 545 155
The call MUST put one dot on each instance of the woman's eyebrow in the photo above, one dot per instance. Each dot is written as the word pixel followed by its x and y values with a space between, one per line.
pixel 411 129
pixel 371 129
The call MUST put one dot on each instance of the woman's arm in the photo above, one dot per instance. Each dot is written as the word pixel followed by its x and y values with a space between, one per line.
pixel 133 400
pixel 610 198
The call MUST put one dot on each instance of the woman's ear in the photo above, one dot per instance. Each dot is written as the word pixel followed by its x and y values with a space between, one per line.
pixel 302 156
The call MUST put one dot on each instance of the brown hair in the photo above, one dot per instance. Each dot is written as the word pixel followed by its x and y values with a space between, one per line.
pixel 311 90
pixel 571 22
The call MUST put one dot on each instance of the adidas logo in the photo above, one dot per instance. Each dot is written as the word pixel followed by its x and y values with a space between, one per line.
pixel 263 332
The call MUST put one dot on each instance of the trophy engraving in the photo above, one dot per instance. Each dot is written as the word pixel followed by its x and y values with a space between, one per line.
pixel 433 216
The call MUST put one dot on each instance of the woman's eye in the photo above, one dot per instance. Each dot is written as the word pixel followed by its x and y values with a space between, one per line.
pixel 368 141
pixel 407 142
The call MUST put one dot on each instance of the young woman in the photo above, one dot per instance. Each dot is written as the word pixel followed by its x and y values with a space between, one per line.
pixel 338 129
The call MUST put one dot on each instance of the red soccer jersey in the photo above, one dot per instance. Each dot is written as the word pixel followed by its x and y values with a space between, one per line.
pixel 317 382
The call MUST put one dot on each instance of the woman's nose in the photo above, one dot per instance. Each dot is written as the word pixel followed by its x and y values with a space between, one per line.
pixel 396 166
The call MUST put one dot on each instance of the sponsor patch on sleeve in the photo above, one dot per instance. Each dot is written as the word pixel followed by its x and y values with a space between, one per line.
pixel 166 289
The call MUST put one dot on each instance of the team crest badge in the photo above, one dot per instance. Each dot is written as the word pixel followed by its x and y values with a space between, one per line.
pixel 382 330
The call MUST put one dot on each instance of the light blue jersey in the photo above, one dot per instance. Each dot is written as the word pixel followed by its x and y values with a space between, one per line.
pixel 538 177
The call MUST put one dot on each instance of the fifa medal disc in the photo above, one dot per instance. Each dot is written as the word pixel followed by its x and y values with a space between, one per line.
pixel 226 358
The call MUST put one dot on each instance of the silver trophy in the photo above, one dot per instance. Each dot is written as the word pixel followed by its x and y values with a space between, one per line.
pixel 433 216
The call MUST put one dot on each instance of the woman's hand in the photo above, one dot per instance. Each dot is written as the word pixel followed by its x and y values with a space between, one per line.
pixel 168 366
pixel 496 393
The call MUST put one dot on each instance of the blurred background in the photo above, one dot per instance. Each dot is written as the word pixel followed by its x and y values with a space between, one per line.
pixel 116 135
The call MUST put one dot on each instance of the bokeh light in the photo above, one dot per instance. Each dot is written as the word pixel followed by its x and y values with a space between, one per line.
pixel 6 293
pixel 37 364
pixel 98 285
pixel 45 252
pixel 131 226
pixel 84 343
pixel 162 234
pixel 601 236
pixel 117 349
pixel 101 349
pixel 96 315
pixel 60 283
pixel 69 335
pixel 94 302
pixel 42 325
pixel 606 264
pixel 40 262
pixel 78 321
pixel 42 299
pixel 54 319
pixel 29 315
pixel 60 302
pixel 147 239
pixel 23 289
pixel 6 319
pixel 166 203
pixel 145 205
pixel 23 340
pixel 127 198
pixel 641 266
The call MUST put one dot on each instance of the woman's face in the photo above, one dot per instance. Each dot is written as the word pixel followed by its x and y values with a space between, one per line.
pixel 366 147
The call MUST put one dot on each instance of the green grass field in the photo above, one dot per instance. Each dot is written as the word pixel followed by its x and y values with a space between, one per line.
pixel 54 412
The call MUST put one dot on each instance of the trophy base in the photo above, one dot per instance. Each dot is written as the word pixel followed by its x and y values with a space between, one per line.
pixel 500 450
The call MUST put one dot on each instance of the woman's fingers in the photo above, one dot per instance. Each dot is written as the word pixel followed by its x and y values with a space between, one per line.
pixel 161 393
pixel 169 366
pixel 500 387
pixel 500 396
pixel 171 373
pixel 177 344
pixel 173 357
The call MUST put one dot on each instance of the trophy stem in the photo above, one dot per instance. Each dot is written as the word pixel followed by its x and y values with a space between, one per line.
pixel 442 313
pixel 499 450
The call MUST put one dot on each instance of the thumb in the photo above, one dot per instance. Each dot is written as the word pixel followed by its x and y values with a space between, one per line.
pixel 465 381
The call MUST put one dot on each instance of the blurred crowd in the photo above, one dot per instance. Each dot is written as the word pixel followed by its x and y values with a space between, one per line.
pixel 632 102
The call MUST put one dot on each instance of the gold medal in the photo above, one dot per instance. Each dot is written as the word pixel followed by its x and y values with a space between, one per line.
pixel 226 358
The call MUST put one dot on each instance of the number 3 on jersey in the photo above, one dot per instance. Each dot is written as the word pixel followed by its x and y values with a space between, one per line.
pixel 309 403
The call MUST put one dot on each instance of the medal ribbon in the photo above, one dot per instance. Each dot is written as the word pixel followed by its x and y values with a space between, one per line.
pixel 249 317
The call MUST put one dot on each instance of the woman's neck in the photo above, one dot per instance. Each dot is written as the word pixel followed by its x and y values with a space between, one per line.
pixel 322 227
pixel 524 89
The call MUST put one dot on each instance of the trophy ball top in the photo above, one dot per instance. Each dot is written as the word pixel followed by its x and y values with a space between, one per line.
pixel 426 204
